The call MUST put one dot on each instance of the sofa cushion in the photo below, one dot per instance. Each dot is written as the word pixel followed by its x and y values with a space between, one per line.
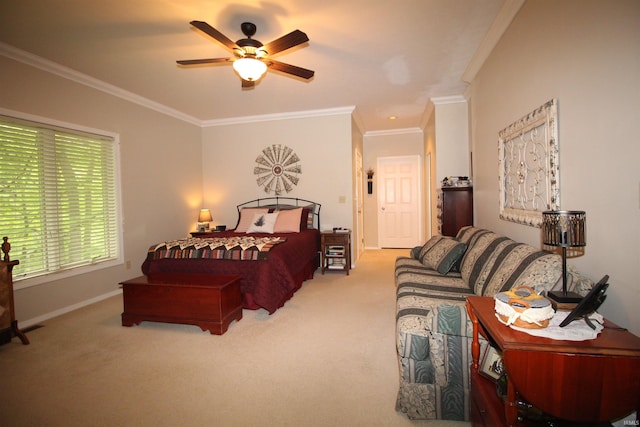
pixel 519 264
pixel 414 278
pixel 442 253
pixel 423 285
pixel 480 256
pixel 469 232
pixel 494 263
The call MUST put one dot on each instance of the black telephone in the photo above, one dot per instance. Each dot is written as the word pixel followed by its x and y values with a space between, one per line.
pixel 588 304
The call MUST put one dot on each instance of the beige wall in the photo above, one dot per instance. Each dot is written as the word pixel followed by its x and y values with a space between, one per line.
pixel 161 176
pixel 585 54
pixel 430 171
pixel 323 144
pixel 451 137
pixel 446 133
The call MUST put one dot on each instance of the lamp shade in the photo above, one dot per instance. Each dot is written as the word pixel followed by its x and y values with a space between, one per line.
pixel 564 228
pixel 250 69
pixel 205 216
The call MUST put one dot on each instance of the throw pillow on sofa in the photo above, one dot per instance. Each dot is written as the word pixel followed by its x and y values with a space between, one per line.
pixel 415 252
pixel 442 253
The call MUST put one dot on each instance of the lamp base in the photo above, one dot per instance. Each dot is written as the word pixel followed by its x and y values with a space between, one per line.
pixel 568 297
pixel 564 301
pixel 559 306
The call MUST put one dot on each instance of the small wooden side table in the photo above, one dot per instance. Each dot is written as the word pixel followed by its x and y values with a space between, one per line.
pixel 589 381
pixel 200 233
pixel 335 250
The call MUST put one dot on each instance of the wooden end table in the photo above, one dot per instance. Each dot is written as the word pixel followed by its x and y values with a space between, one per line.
pixel 579 381
pixel 335 250
pixel 211 302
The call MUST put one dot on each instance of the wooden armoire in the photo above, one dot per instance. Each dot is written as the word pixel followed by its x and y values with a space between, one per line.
pixel 455 209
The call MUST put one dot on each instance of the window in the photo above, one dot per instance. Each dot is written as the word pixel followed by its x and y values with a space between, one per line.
pixel 58 197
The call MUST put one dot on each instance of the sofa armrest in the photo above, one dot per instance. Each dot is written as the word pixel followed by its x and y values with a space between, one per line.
pixel 420 315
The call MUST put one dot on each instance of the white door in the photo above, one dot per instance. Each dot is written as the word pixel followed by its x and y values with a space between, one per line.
pixel 399 211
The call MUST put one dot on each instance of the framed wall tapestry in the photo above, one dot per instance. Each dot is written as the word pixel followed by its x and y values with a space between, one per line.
pixel 277 169
pixel 529 170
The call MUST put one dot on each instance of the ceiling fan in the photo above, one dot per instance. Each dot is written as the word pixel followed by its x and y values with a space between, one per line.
pixel 251 56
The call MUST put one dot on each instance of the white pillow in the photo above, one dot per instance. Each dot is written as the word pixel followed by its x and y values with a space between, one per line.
pixel 246 218
pixel 263 223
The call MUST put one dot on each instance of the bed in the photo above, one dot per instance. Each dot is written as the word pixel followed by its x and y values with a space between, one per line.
pixel 274 248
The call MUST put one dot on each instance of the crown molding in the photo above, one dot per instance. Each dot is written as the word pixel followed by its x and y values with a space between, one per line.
pixel 393 132
pixel 504 18
pixel 78 77
pixel 454 99
pixel 279 116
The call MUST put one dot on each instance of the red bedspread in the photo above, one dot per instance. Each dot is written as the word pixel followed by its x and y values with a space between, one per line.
pixel 266 283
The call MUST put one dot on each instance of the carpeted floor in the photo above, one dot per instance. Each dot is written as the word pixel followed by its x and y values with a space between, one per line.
pixel 327 358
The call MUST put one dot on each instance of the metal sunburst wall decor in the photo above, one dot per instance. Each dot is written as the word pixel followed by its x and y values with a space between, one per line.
pixel 277 169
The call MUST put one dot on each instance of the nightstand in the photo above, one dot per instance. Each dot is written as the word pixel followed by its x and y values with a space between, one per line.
pixel 335 250
pixel 200 233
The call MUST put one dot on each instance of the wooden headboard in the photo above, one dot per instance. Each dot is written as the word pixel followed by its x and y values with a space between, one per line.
pixel 283 203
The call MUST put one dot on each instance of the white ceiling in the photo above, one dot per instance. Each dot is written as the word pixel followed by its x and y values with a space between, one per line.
pixel 382 57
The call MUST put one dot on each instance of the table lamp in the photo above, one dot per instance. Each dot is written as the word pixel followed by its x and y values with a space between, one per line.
pixel 204 218
pixel 566 229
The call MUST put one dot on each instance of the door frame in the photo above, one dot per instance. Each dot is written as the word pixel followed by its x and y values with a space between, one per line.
pixel 359 206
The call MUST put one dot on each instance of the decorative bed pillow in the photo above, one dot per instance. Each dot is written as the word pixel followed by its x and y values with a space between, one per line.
pixel 288 221
pixel 246 217
pixel 306 219
pixel 263 223
pixel 442 253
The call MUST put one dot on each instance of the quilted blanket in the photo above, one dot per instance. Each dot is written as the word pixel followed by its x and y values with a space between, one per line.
pixel 235 247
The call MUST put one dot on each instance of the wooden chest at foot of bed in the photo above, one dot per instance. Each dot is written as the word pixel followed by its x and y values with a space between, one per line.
pixel 211 302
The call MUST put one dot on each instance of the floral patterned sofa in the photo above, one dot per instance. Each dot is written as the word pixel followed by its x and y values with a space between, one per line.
pixel 433 332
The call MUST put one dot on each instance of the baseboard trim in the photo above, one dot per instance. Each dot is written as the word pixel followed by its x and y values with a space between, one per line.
pixel 31 322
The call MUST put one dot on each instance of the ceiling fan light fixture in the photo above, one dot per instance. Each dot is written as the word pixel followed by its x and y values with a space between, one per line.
pixel 251 55
pixel 250 69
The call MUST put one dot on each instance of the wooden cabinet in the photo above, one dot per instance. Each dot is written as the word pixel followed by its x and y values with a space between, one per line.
pixel 8 322
pixel 455 209
pixel 335 248
pixel 592 381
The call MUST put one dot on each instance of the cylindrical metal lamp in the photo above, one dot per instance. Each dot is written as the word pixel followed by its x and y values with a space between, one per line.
pixel 566 229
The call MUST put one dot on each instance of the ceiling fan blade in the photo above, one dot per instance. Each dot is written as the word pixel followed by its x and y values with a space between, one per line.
pixel 248 84
pixel 285 42
pixel 291 69
pixel 202 61
pixel 206 28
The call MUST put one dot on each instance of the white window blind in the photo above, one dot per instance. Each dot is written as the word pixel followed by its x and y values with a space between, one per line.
pixel 58 197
